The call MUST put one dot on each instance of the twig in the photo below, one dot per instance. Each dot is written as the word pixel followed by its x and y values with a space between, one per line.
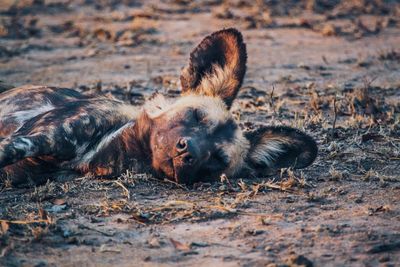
pixel 235 211
pixel 273 106
pixel 332 133
pixel 127 193
pixel 5 251
pixel 271 98
pixel 176 184
pixel 276 186
pixel 24 222
pixel 173 203
pixel 82 226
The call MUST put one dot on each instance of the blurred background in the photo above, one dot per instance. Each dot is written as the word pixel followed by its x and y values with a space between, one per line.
pixel 301 52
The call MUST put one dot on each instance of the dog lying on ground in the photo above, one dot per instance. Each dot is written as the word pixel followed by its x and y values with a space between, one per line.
pixel 56 133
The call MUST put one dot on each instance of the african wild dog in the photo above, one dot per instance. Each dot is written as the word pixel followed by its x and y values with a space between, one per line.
pixel 48 132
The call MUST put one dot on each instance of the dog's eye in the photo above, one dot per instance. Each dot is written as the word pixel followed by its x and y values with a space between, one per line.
pixel 199 115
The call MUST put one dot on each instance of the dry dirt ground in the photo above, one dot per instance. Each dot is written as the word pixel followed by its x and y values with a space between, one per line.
pixel 330 68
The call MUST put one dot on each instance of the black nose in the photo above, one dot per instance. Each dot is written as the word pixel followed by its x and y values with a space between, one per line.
pixel 185 153
pixel 182 145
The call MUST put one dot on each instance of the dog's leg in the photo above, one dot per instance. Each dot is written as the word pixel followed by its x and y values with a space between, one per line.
pixel 33 172
pixel 16 148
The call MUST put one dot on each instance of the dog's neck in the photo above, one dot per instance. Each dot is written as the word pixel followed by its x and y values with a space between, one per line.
pixel 126 148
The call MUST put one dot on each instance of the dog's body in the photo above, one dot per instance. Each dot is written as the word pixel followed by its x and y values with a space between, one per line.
pixel 55 132
pixel 60 132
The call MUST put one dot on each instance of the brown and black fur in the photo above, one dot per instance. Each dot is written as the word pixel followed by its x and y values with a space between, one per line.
pixel 48 132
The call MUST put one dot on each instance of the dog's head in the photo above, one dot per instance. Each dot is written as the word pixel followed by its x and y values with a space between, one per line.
pixel 194 137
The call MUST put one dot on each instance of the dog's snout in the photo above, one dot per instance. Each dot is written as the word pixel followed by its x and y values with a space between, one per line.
pixel 184 166
pixel 188 159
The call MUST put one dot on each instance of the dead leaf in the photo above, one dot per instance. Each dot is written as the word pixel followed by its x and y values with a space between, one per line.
pixel 4 226
pixel 59 201
pixel 383 208
pixel 140 218
pixel 38 232
pixel 102 34
pixel 287 184
pixel 199 244
pixel 43 214
pixel 328 30
pixel 91 52
pixel 300 260
pixel 154 242
pixel 265 221
pixel 179 246
pixel 242 185
pixel 255 232
pixel 105 248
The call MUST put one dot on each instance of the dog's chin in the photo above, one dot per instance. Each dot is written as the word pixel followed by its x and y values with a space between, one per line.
pixel 196 176
pixel 183 178
pixel 175 173
pixel 164 170
pixel 187 175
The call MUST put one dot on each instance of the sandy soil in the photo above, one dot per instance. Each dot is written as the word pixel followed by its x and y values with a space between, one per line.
pixel 330 68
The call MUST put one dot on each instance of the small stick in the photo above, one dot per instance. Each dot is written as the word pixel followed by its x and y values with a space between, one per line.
pixel 24 222
pixel 271 98
pixel 82 226
pixel 124 188
pixel 334 117
pixel 176 184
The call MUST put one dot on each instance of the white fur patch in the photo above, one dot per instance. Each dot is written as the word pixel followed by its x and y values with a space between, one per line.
pixel 267 151
pixel 157 106
pixel 67 127
pixel 218 81
pixel 105 140
pixel 237 151
pixel 6 110
pixel 24 144
pixel 214 108
pixel 24 115
pixel 129 111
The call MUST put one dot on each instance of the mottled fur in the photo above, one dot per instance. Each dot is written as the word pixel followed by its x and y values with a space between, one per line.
pixel 48 132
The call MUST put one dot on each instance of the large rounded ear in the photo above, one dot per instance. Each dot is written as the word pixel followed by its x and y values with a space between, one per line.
pixel 279 147
pixel 217 66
